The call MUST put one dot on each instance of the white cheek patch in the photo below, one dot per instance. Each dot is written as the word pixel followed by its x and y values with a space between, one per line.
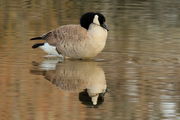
pixel 95 20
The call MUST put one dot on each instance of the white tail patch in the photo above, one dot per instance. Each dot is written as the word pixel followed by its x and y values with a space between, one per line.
pixel 51 50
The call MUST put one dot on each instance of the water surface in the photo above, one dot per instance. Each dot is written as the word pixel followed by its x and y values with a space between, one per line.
pixel 135 77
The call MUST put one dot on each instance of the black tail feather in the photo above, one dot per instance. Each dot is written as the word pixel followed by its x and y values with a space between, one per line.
pixel 36 38
pixel 42 37
pixel 37 45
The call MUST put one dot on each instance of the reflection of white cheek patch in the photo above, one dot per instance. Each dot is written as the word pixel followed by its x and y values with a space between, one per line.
pixel 95 20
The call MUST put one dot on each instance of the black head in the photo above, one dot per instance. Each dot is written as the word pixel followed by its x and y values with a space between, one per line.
pixel 92 17
pixel 86 99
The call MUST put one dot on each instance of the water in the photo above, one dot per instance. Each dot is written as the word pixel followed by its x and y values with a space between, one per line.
pixel 137 74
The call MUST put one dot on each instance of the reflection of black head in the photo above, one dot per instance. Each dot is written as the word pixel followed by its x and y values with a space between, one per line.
pixel 86 99
pixel 88 18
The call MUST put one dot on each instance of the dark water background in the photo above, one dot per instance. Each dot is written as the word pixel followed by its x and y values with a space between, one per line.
pixel 141 66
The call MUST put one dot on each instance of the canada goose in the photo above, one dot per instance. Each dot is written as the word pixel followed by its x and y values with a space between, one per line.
pixel 76 41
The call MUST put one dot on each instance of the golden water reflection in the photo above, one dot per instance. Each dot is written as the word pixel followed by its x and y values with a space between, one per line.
pixel 76 76
pixel 141 61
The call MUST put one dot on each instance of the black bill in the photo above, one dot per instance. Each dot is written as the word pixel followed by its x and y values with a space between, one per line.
pixel 104 26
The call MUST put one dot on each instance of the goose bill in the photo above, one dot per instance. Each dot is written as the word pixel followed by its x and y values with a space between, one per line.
pixel 104 26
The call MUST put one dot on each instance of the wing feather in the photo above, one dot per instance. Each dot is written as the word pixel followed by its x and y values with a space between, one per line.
pixel 66 33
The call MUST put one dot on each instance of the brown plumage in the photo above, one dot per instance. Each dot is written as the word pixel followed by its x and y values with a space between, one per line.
pixel 65 33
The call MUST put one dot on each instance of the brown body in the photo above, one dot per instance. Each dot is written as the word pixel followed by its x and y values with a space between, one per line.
pixel 77 42
pixel 65 33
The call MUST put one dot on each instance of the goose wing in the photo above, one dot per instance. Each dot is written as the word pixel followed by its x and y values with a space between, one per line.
pixel 66 33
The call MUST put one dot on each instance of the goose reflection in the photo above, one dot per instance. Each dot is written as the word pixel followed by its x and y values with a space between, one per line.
pixel 84 77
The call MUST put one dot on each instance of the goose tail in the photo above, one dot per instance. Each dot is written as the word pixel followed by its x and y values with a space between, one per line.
pixel 37 45
pixel 36 38
pixel 44 37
